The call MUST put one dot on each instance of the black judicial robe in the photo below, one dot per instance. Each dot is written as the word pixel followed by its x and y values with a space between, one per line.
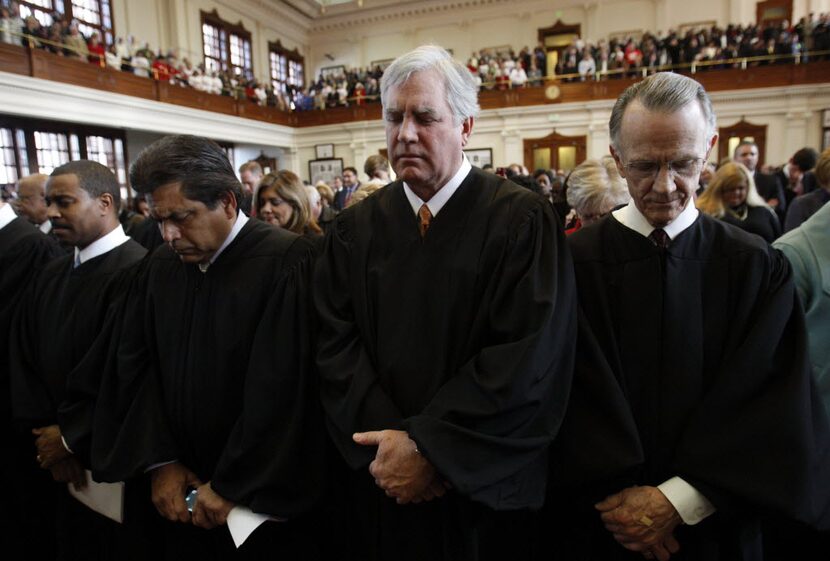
pixel 464 340
pixel 214 370
pixel 758 221
pixel 23 251
pixel 691 362
pixel 63 313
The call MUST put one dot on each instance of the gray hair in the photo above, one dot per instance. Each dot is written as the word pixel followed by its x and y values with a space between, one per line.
pixel 593 183
pixel 313 195
pixel 462 92
pixel 666 92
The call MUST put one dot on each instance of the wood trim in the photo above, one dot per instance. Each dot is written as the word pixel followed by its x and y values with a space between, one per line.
pixel 41 64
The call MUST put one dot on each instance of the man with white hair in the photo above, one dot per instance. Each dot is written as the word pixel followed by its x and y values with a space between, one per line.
pixel 693 410
pixel 445 349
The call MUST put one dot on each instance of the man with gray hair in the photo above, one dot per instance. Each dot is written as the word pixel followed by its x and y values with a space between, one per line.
pixel 693 411
pixel 445 349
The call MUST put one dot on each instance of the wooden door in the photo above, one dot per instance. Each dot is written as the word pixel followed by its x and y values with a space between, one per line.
pixel 555 151
pixel 730 137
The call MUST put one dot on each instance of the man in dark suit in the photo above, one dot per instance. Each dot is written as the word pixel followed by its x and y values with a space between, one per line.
pixel 769 187
pixel 350 185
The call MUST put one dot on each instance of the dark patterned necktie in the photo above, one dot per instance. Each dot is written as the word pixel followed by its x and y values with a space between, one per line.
pixel 425 215
pixel 660 238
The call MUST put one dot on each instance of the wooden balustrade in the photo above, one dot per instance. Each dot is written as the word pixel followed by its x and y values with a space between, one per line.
pixel 42 64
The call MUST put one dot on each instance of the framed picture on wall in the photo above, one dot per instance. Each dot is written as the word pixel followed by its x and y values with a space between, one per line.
pixel 479 157
pixel 324 151
pixel 325 169
pixel 332 71
pixel 383 63
pixel 826 118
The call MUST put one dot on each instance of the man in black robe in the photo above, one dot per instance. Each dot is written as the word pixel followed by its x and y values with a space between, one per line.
pixel 693 410
pixel 23 251
pixel 208 384
pixel 446 306
pixel 61 315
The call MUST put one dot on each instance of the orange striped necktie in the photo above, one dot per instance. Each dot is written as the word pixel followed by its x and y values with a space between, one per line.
pixel 425 215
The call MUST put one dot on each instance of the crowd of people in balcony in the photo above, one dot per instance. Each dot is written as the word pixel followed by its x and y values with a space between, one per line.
pixel 706 47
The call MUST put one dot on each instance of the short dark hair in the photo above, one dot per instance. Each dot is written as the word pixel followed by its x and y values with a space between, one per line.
pixel 94 178
pixel 351 169
pixel 805 159
pixel 199 164
pixel 745 143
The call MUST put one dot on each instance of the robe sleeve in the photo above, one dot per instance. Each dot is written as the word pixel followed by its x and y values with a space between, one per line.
pixel 273 461
pixel 130 430
pixel 351 393
pixel 77 410
pixel 32 403
pixel 761 433
pixel 488 428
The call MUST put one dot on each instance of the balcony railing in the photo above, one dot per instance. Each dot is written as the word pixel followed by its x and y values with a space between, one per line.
pixel 716 75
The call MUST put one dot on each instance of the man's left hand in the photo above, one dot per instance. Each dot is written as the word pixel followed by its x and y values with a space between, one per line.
pixel 211 509
pixel 50 448
pixel 398 468
pixel 642 519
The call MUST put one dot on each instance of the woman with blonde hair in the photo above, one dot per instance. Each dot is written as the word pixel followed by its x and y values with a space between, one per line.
pixel 283 202
pixel 732 197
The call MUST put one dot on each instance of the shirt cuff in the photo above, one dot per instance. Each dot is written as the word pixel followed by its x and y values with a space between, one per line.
pixel 158 465
pixel 690 503
pixel 65 445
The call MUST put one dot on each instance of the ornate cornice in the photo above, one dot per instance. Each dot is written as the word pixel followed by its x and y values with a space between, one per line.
pixel 398 11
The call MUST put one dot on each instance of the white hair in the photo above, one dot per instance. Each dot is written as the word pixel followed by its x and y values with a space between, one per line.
pixel 460 87
pixel 313 195
pixel 593 184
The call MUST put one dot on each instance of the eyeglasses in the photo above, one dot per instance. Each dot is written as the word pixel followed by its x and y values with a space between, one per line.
pixel 686 168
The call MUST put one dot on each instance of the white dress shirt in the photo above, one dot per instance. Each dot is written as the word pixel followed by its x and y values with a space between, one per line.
pixel 241 220
pixel 7 214
pixel 102 245
pixel 46 227
pixel 690 503
pixel 440 198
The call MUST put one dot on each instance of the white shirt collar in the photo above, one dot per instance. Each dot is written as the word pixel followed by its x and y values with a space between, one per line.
pixel 241 220
pixel 6 215
pixel 631 217
pixel 440 198
pixel 101 246
pixel 46 227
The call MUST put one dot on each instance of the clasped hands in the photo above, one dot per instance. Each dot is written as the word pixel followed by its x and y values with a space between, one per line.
pixel 399 469
pixel 642 519
pixel 169 486
pixel 53 455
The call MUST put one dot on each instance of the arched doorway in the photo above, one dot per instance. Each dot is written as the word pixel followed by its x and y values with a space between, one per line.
pixel 730 137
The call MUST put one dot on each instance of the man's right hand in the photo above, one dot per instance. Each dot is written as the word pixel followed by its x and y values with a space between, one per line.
pixel 170 483
pixel 69 470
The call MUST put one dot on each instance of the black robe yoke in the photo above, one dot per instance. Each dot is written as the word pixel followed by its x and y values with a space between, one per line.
pixel 214 370
pixel 691 363
pixel 464 339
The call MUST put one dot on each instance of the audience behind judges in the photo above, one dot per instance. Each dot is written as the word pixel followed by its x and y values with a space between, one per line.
pixel 815 187
pixel 282 201
pixel 595 188
pixel 732 197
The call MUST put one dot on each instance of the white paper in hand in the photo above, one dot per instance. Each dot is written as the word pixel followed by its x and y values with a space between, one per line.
pixel 242 522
